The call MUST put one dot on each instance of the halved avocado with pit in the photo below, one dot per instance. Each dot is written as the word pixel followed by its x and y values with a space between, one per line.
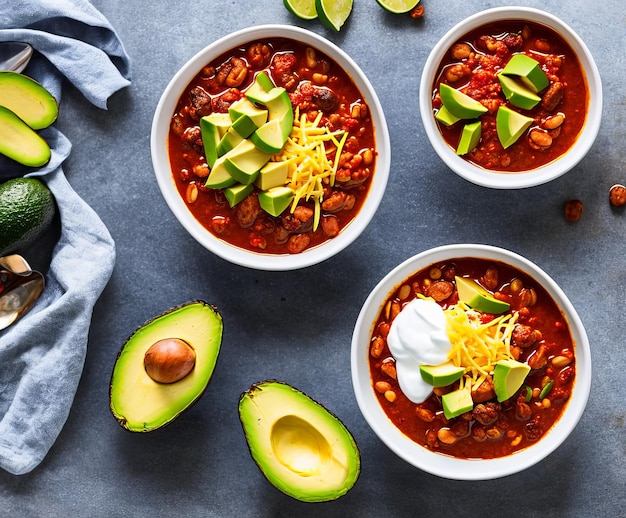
pixel 302 449
pixel 165 366
pixel 28 99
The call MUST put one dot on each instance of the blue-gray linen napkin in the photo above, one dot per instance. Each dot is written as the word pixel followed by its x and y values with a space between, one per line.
pixel 42 356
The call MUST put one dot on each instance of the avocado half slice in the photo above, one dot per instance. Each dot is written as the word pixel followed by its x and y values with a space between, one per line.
pixel 28 99
pixel 165 366
pixel 301 448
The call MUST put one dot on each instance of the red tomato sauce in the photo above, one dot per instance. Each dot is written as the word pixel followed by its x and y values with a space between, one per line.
pixel 315 83
pixel 474 73
pixel 541 339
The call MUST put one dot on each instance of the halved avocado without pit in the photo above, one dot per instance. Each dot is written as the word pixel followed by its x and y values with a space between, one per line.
pixel 302 449
pixel 165 366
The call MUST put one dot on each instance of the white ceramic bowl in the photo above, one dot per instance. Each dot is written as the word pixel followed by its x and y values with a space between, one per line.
pixel 540 175
pixel 161 124
pixel 419 456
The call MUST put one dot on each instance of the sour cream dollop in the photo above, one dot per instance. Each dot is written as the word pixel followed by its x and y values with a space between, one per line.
pixel 418 337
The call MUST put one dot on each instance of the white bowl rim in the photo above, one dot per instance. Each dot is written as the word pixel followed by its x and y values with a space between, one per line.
pixel 419 456
pixel 547 172
pixel 160 160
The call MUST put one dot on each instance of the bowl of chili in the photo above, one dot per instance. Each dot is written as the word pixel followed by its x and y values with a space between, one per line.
pixel 336 158
pixel 526 367
pixel 539 91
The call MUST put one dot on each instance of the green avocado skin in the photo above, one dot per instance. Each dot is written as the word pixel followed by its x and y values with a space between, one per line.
pixel 27 208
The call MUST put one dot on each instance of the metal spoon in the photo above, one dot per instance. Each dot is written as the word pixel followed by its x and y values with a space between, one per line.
pixel 14 55
pixel 20 288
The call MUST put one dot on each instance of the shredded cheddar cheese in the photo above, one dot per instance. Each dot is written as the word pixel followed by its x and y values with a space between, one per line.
pixel 478 346
pixel 307 152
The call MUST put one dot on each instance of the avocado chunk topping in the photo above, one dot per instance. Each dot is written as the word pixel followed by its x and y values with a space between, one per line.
pixel 239 144
pixel 165 366
pixel 529 72
pixel 470 136
pixel 511 125
pixel 441 375
pixel 459 104
pixel 299 446
pixel 478 298
pixel 518 94
pixel 456 403
pixel 508 376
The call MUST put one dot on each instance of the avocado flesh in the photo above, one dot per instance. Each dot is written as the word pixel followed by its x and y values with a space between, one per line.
pixel 529 72
pixel 517 93
pixel 141 404
pixel 511 125
pixel 459 104
pixel 508 377
pixel 30 101
pixel 478 298
pixel 301 448
pixel 470 136
pixel 456 403
pixel 20 143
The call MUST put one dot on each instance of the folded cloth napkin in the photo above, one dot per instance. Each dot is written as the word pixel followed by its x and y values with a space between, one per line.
pixel 42 355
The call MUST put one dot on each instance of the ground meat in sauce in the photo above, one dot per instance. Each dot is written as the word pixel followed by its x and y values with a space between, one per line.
pixel 492 429
pixel 471 66
pixel 315 84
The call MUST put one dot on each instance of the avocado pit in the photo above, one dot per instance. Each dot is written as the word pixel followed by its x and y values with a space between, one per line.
pixel 169 360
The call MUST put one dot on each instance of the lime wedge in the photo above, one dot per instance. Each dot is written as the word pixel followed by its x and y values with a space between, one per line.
pixel 333 13
pixel 304 9
pixel 398 6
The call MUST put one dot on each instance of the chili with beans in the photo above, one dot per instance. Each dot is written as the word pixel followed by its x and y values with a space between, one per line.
pixel 315 84
pixel 472 65
pixel 540 338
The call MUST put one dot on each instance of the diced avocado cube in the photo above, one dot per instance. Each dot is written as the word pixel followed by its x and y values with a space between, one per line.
pixel 237 192
pixel 508 377
pixel 456 403
pixel 518 94
pixel 528 70
pixel 259 88
pixel 469 138
pixel 275 200
pixel 244 162
pixel 229 141
pixel 446 118
pixel 279 105
pixel 459 104
pixel 510 125
pixel 246 117
pixel 478 298
pixel 219 177
pixel 212 128
pixel 441 375
pixel 269 137
pixel 272 174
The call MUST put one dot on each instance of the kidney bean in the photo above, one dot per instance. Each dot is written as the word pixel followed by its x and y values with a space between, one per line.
pixel 617 195
pixel 553 96
pixel 440 290
pixel 297 243
pixel 573 210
